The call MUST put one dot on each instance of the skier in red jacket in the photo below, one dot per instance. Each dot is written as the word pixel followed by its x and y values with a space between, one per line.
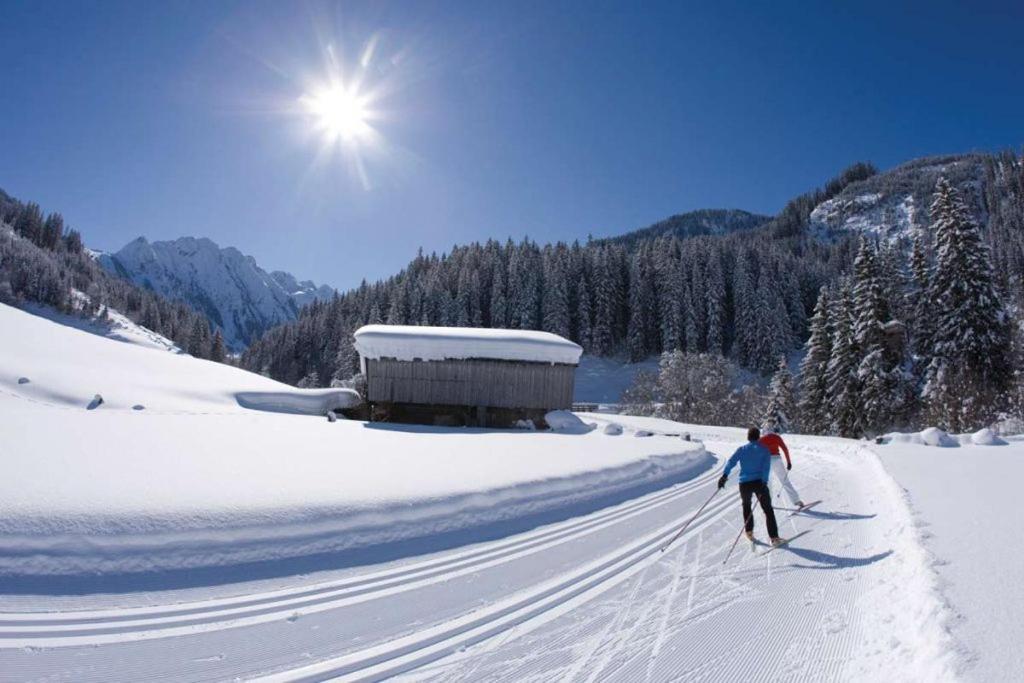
pixel 773 442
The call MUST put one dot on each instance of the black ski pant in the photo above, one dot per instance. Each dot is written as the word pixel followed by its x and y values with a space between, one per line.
pixel 760 489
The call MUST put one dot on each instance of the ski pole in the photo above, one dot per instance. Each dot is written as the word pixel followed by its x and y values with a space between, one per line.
pixel 742 529
pixel 695 515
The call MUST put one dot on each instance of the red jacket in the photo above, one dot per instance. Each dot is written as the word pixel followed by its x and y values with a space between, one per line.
pixel 773 442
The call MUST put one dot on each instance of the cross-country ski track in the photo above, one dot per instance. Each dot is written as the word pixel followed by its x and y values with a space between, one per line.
pixel 586 599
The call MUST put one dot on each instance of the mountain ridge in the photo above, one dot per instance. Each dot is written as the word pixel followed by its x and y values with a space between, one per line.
pixel 238 296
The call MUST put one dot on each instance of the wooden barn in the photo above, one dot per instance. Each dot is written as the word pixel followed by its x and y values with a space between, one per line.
pixel 465 375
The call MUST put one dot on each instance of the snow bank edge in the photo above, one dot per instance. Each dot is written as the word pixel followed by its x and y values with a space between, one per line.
pixel 28 548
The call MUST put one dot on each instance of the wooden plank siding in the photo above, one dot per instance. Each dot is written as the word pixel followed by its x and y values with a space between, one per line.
pixel 491 383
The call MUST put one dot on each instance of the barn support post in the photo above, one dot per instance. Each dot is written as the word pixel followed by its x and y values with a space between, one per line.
pixel 481 416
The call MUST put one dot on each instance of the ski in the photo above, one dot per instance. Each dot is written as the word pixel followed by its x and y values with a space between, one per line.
pixel 785 542
pixel 793 511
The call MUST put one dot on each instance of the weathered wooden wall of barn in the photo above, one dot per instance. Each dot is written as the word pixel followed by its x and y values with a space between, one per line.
pixel 501 384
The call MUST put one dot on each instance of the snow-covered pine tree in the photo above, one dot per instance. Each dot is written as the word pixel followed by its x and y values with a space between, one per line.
pixel 583 316
pixel 499 304
pixel 878 400
pixel 603 331
pixel 772 336
pixel 970 370
pixel 781 408
pixel 555 300
pixel 714 294
pixel 745 312
pixel 843 389
pixel 922 323
pixel 199 339
pixel 670 276
pixel 812 408
pixel 640 303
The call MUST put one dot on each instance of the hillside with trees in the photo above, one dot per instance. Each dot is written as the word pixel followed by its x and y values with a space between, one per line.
pixel 862 301
pixel 42 261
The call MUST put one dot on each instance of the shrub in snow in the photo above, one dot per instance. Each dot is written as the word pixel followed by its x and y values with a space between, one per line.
pixel 332 416
pixel 138 406
pixel 524 424
pixel 23 380
pixel 643 432
pixel 564 421
pixel 613 429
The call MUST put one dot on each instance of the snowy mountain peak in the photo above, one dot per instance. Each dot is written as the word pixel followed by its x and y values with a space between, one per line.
pixel 241 298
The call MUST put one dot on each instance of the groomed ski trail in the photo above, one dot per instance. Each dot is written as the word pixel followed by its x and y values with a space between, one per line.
pixel 591 598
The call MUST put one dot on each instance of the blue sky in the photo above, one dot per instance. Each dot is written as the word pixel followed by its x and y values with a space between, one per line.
pixel 493 119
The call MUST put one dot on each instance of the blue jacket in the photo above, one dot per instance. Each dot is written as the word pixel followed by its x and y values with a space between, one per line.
pixel 755 462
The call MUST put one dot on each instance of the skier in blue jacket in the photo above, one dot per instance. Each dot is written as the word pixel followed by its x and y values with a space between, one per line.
pixel 755 467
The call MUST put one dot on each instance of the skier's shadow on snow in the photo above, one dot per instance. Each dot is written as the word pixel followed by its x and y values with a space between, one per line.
pixel 825 560
pixel 834 516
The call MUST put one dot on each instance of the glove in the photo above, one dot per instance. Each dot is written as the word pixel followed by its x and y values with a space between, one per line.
pixel 789 466
pixel 721 481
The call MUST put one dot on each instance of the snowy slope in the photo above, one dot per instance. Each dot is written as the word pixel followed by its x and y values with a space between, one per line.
pixel 237 295
pixel 890 206
pixel 172 471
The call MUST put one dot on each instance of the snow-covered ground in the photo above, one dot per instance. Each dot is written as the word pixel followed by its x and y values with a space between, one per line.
pixel 171 471
pixel 196 539
pixel 964 501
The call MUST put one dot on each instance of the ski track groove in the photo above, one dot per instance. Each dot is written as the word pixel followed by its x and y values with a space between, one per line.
pixel 631 629
pixel 18 629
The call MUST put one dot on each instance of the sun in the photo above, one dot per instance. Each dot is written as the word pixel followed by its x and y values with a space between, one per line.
pixel 338 112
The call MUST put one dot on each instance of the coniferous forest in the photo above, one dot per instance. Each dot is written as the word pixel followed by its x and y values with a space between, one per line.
pixel 755 320
pixel 896 332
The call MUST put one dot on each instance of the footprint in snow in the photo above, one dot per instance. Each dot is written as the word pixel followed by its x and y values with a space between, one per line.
pixel 138 406
pixel 834 622
pixel 293 617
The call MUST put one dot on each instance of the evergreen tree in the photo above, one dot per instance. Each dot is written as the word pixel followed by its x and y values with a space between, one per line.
pixel 970 370
pixel 555 302
pixel 217 351
pixel 198 339
pixel 813 412
pixel 781 409
pixel 499 304
pixel 843 389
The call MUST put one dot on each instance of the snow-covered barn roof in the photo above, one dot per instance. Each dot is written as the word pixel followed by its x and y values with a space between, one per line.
pixel 409 342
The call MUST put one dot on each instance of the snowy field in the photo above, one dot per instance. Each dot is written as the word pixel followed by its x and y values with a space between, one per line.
pixel 173 472
pixel 198 539
pixel 964 499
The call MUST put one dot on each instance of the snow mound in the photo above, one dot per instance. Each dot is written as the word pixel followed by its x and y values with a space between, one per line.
pixel 613 429
pixel 300 401
pixel 986 437
pixel 410 342
pixel 933 436
pixel 564 421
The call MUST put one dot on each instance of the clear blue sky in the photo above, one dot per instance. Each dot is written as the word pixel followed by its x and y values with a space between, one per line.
pixel 495 119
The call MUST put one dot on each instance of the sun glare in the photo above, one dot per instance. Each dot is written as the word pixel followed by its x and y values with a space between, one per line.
pixel 338 112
